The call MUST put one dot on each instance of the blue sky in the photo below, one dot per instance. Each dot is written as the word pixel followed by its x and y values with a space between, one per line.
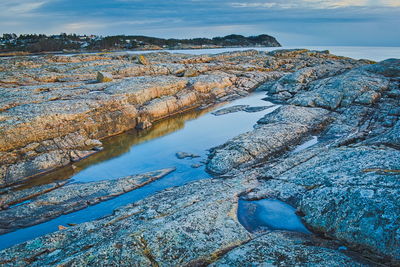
pixel 292 22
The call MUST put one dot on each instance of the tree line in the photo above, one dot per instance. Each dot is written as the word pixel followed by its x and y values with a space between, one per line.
pixel 42 43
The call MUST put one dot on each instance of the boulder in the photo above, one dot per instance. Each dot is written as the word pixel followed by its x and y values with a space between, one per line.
pixel 104 77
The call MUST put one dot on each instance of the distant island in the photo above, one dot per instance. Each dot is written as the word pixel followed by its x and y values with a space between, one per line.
pixel 41 43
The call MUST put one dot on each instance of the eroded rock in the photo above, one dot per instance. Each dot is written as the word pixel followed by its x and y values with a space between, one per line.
pixel 49 203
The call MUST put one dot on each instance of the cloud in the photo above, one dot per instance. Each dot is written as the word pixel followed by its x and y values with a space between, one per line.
pixel 20 7
pixel 316 4
pixel 291 21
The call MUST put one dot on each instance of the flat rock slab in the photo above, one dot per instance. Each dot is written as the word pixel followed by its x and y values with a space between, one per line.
pixel 183 155
pixel 238 108
pixel 69 198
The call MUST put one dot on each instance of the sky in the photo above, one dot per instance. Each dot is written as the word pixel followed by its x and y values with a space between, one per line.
pixel 292 22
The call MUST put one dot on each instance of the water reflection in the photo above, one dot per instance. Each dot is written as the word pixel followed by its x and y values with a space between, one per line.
pixel 118 145
pixel 141 151
pixel 269 214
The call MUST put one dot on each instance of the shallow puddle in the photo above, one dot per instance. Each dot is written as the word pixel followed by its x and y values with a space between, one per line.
pixel 305 145
pixel 269 214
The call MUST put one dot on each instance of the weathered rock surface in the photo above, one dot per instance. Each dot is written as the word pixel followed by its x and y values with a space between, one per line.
pixel 238 108
pixel 193 225
pixel 183 155
pixel 344 187
pixel 286 126
pixel 286 249
pixel 103 77
pixel 46 99
pixel 48 202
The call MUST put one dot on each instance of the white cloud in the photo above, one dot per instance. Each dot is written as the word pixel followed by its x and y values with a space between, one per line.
pixel 14 8
pixel 316 4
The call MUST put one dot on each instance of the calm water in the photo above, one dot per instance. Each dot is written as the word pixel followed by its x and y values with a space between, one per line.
pixel 140 151
pixel 269 214
pixel 358 52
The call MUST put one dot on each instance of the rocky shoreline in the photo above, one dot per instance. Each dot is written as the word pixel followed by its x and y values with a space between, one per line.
pixel 344 187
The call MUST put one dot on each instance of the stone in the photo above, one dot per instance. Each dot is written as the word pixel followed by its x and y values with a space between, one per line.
pixel 196 165
pixel 143 60
pixel 286 249
pixel 183 155
pixel 275 133
pixel 228 110
pixel 104 77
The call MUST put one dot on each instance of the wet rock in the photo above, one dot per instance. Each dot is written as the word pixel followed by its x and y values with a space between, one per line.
pixel 12 196
pixel 79 155
pixel 42 163
pixel 228 110
pixel 196 165
pixel 103 77
pixel 143 125
pixel 256 109
pixel 55 201
pixel 238 108
pixel 183 155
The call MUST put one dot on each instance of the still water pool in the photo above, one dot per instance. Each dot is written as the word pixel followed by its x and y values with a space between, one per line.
pixel 141 151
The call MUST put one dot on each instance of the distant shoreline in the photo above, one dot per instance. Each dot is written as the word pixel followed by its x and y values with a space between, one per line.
pixel 39 44
pixel 74 52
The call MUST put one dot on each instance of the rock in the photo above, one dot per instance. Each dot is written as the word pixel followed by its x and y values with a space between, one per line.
pixel 355 200
pixel 104 77
pixel 11 196
pixel 65 199
pixel 190 73
pixel 157 230
pixel 197 165
pixel 284 127
pixel 238 108
pixel 52 101
pixel 316 117
pixel 143 60
pixel 42 163
pixel 345 187
pixel 286 249
pixel 182 155
pixel 228 110
pixel 143 125
pixel 77 155
pixel 257 109
pixel 389 67
pixel 343 90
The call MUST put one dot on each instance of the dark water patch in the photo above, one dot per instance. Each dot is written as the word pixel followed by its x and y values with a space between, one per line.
pixel 269 214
